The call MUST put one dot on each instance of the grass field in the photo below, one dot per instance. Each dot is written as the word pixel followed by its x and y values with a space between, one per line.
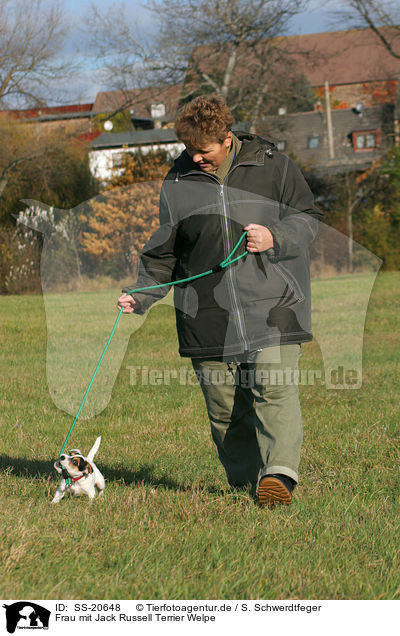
pixel 168 526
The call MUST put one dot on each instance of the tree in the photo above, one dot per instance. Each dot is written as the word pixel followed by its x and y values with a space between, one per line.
pixel 230 47
pixel 116 224
pixel 137 167
pixel 44 167
pixel 59 177
pixel 364 206
pixel 32 33
pixel 377 224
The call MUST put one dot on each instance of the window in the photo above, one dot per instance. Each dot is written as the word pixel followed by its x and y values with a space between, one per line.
pixel 157 110
pixel 366 140
pixel 313 142
pixel 117 159
pixel 281 145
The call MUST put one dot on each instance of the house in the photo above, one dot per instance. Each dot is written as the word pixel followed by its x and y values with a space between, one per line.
pixel 74 118
pixel 355 63
pixel 152 112
pixel 149 107
pixel 359 137
pixel 106 150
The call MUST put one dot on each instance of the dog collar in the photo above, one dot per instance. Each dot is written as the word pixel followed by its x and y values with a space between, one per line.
pixel 68 479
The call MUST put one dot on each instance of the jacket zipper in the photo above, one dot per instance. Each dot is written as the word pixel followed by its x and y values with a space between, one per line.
pixel 230 274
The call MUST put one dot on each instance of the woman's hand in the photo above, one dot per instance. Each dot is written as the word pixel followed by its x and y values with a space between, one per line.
pixel 259 238
pixel 127 303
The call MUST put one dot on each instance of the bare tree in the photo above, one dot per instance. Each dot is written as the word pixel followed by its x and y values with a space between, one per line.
pixel 31 36
pixel 232 44
pixel 230 47
pixel 382 17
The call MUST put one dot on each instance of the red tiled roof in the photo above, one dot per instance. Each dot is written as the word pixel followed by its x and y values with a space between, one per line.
pixel 89 136
pixel 345 57
pixel 30 113
pixel 341 57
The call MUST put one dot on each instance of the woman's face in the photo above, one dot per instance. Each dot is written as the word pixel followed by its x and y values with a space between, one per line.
pixel 210 157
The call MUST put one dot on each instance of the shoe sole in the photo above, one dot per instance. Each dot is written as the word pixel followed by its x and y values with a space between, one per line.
pixel 272 491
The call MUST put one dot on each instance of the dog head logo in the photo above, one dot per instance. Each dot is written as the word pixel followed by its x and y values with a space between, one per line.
pixel 26 615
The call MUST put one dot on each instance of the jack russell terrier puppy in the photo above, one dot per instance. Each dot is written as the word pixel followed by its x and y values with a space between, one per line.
pixel 80 474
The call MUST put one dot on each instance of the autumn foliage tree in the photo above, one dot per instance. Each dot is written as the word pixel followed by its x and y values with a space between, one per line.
pixel 118 223
pixel 378 217
pixel 45 168
pixel 137 167
pixel 365 206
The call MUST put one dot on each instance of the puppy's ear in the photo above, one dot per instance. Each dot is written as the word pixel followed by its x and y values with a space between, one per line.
pixel 85 467
pixel 58 467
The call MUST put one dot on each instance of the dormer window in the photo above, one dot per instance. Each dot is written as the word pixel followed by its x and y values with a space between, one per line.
pixel 157 111
pixel 366 140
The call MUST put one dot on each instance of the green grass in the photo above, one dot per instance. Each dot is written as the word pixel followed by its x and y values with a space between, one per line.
pixel 168 526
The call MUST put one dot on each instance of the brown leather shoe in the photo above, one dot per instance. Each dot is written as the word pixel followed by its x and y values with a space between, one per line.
pixel 274 489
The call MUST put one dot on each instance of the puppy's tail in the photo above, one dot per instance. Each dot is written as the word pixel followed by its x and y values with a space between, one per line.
pixel 94 449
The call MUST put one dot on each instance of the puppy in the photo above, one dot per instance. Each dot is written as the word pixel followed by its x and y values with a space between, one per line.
pixel 80 474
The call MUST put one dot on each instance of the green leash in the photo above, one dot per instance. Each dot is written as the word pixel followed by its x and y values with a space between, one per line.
pixel 225 263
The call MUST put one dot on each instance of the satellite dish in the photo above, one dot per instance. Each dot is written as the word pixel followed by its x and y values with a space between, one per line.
pixel 108 125
pixel 360 107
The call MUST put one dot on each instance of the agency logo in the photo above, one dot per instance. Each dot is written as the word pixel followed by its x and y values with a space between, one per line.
pixel 26 615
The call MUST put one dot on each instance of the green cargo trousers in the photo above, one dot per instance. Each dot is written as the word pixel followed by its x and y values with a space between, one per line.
pixel 254 412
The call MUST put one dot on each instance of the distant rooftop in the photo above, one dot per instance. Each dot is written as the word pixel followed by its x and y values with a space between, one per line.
pixel 52 112
pixel 139 100
pixel 134 138
pixel 351 56
pixel 345 57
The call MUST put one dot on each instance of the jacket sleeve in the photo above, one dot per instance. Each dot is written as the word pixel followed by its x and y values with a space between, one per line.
pixel 299 216
pixel 157 261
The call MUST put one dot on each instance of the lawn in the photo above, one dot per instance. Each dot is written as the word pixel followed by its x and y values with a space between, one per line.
pixel 168 525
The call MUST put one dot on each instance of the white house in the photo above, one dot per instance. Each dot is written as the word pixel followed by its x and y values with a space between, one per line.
pixel 106 150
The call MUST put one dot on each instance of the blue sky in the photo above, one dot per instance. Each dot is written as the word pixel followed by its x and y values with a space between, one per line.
pixel 318 18
pixel 86 85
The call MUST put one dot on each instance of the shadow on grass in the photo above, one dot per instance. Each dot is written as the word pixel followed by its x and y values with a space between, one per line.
pixel 22 467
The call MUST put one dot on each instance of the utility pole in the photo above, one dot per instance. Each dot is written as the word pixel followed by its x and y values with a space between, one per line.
pixel 329 122
pixel 397 113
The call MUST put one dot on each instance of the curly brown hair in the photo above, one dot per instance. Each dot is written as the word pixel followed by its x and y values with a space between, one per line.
pixel 206 119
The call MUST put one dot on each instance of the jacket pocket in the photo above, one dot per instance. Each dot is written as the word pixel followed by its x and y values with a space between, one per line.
pixel 290 281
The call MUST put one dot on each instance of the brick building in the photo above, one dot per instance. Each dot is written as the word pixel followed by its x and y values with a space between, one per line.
pixel 354 62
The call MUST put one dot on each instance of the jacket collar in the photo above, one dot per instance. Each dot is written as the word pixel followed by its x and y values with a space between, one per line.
pixel 251 153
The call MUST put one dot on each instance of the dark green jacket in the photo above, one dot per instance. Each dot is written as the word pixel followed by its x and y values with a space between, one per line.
pixel 254 303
